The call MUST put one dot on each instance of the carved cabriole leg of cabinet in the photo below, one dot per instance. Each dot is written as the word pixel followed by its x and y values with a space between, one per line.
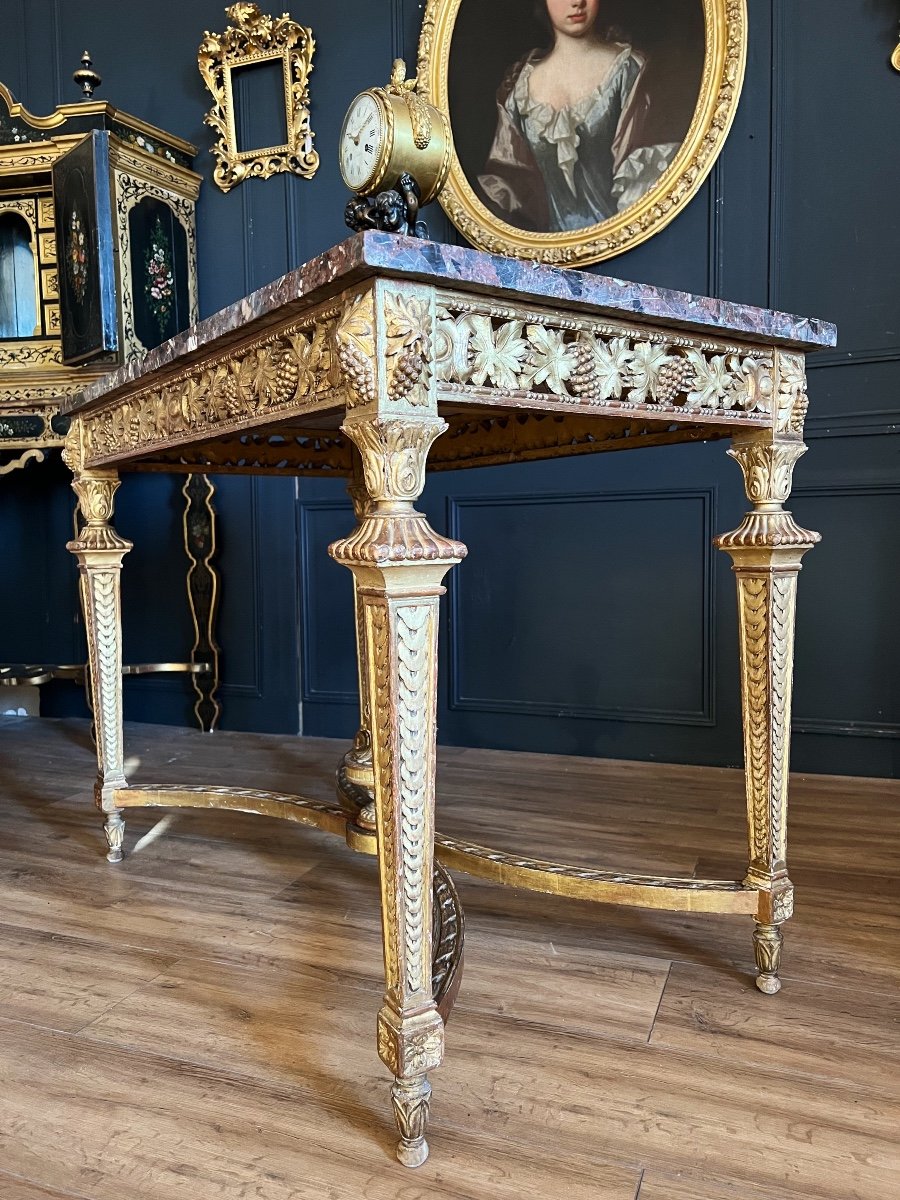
pixel 356 776
pixel 99 551
pixel 766 550
pixel 398 562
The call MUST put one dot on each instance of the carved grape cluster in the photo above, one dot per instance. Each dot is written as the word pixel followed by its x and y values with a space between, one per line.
pixel 358 370
pixel 584 379
pixel 407 372
pixel 674 377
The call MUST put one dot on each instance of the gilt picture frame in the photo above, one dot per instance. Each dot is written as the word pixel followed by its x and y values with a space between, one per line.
pixel 577 182
pixel 256 40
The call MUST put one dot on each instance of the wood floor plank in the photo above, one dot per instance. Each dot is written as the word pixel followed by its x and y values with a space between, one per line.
pixel 593 1049
pixel 692 1185
pixel 21 1189
pixel 65 983
pixel 150 1128
pixel 809 1030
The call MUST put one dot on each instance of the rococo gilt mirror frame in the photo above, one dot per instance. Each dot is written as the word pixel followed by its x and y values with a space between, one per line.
pixel 256 38
pixel 527 177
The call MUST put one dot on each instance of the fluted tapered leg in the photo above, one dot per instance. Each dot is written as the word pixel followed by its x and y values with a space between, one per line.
pixel 398 563
pixel 766 550
pixel 99 551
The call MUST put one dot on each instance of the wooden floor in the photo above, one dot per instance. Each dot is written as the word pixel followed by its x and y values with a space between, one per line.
pixel 198 1023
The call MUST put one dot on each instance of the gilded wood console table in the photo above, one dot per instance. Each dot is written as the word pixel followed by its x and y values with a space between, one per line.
pixel 371 359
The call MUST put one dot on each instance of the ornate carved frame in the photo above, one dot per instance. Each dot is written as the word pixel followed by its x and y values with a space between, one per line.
pixel 723 74
pixel 257 38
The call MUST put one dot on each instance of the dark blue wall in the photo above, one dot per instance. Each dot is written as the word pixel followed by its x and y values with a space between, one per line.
pixel 619 637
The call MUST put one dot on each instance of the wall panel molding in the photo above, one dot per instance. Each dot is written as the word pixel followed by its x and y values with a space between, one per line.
pixel 703 715
pixel 845 726
pixel 310 692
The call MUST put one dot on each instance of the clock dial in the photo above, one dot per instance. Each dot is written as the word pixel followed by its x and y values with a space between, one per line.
pixel 361 141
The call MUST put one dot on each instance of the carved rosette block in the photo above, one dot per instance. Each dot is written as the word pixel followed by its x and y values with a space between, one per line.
pixel 399 563
pixel 766 550
pixel 99 551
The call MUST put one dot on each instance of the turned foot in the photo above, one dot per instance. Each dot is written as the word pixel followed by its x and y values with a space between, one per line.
pixel 114 828
pixel 411 1099
pixel 767 943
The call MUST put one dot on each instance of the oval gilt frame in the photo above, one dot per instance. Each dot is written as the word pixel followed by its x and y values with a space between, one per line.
pixel 725 25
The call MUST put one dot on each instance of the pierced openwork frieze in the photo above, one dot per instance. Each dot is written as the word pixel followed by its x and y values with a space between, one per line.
pixel 538 356
pixel 292 370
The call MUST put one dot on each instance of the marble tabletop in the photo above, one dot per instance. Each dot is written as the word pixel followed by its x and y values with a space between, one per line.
pixel 386 255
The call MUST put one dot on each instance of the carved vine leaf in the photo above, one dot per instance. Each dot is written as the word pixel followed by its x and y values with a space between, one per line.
pixel 550 360
pixel 712 382
pixel 355 345
pixel 612 364
pixel 409 345
pixel 792 398
pixel 648 360
pixel 498 354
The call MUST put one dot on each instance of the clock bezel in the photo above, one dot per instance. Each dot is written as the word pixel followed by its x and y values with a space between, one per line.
pixel 374 179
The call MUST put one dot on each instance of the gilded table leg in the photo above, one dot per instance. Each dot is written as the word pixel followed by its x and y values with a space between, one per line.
pixel 99 551
pixel 356 776
pixel 398 563
pixel 766 550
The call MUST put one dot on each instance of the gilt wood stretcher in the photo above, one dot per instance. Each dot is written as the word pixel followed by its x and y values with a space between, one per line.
pixel 370 360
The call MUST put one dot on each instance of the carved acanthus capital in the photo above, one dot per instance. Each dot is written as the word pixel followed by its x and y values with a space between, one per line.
pixel 768 467
pixel 394 451
pixel 96 496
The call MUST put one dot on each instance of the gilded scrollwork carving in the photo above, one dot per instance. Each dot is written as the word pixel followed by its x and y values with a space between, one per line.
pixel 598 365
pixel 255 37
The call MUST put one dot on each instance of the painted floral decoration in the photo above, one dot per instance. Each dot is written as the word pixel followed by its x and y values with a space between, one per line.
pixel 76 256
pixel 159 284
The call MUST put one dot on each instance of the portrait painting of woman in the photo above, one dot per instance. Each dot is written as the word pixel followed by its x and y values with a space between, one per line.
pixel 566 113
pixel 571 145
